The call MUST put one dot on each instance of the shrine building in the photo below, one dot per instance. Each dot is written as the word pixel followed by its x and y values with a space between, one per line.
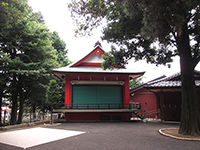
pixel 95 94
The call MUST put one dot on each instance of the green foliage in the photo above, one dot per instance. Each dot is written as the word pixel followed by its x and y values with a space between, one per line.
pixel 135 26
pixel 113 59
pixel 60 47
pixel 55 93
pixel 56 88
pixel 87 14
pixel 153 30
pixel 27 53
pixel 11 11
pixel 135 82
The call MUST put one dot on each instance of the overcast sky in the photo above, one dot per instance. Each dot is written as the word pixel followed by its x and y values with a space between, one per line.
pixel 57 18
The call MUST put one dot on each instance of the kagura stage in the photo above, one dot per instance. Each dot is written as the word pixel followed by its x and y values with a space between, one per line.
pixel 94 94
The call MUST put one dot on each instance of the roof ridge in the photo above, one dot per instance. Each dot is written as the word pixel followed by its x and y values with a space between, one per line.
pixel 157 79
pixel 151 81
pixel 165 79
pixel 173 76
pixel 179 74
pixel 169 82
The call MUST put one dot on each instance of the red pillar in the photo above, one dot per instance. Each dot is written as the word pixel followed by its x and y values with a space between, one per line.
pixel 68 90
pixel 126 92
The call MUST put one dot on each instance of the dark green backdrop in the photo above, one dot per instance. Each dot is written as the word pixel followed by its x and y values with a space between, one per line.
pixel 97 94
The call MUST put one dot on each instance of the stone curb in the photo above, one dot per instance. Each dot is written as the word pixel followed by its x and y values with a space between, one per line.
pixel 52 125
pixel 175 137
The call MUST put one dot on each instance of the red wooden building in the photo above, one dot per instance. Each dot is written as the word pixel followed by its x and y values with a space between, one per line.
pixel 92 93
pixel 163 94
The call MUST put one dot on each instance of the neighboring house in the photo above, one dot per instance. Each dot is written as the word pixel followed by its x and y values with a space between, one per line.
pixel 163 93
pixel 92 93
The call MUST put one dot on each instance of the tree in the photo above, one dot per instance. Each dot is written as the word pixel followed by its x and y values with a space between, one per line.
pixel 135 25
pixel 39 57
pixel 27 55
pixel 56 88
pixel 55 93
pixel 11 13
pixel 60 47
pixel 135 82
pixel 28 51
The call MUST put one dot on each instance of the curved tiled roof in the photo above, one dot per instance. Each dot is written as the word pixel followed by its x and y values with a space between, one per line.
pixel 171 81
pixel 166 84
pixel 91 64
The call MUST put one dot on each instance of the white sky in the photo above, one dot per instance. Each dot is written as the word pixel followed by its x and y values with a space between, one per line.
pixel 58 18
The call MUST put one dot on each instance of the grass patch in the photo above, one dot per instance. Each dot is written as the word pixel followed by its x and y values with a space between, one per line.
pixel 174 132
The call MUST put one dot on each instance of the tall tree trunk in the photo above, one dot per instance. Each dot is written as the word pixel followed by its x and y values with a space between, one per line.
pixel 34 110
pixel 21 106
pixel 190 124
pixel 14 100
pixel 190 111
pixel 1 98
pixel 21 111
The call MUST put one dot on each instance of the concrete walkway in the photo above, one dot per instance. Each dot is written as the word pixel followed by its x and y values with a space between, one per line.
pixel 106 136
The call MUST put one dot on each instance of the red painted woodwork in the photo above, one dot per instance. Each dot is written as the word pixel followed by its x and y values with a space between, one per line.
pixel 77 76
pixel 170 105
pixel 68 90
pixel 96 77
pixel 147 98
pixel 126 94
pixel 168 101
pixel 91 64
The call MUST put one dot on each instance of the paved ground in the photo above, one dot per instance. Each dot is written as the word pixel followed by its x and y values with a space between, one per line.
pixel 114 136
pixel 26 138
